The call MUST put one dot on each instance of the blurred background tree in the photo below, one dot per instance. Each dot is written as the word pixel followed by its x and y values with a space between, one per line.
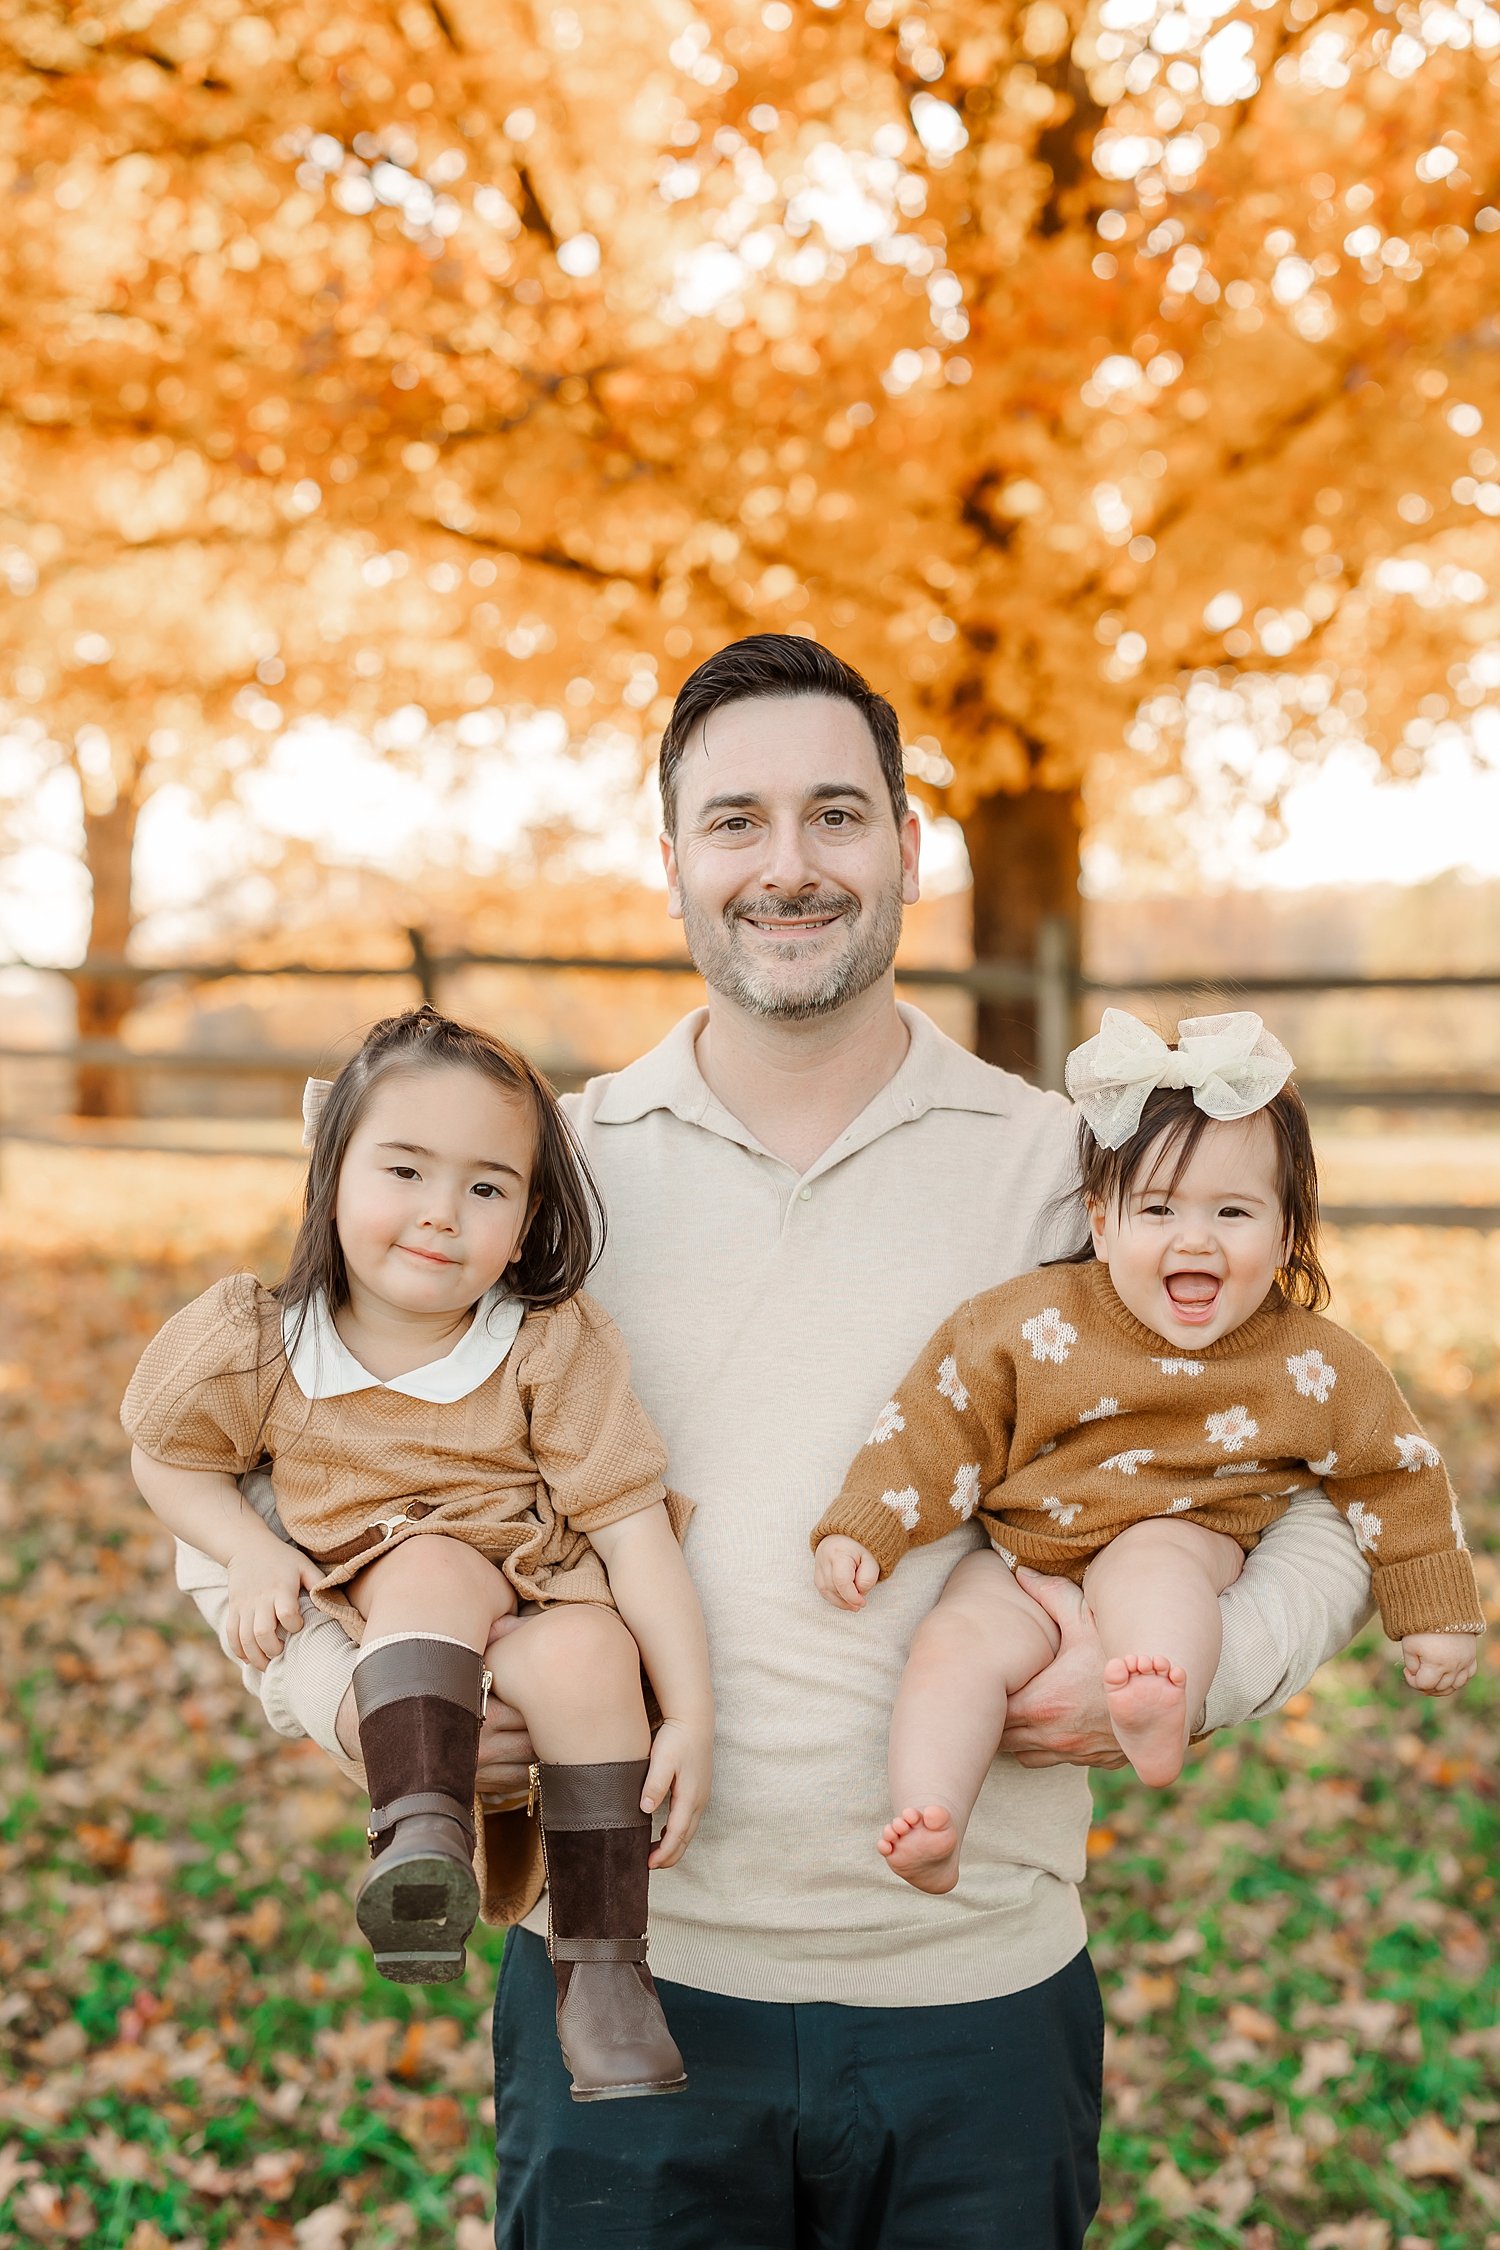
pixel 1073 370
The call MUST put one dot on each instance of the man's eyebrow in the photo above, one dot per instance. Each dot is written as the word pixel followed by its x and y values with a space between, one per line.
pixel 475 1163
pixel 745 800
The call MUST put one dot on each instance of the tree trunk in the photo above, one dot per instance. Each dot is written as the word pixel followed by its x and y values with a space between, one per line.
pixel 104 1003
pixel 1023 852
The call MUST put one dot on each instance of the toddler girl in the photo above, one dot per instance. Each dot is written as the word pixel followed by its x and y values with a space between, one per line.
pixel 1133 1419
pixel 454 1442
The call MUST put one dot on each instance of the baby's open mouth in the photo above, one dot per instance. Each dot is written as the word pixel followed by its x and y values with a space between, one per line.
pixel 1193 1292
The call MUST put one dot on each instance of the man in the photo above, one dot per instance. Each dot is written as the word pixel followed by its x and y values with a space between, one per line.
pixel 801 1180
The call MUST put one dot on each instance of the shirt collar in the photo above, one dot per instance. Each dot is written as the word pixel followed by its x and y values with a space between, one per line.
pixel 935 1073
pixel 323 1366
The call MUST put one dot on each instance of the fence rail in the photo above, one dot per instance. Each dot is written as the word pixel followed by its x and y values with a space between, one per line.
pixel 1051 984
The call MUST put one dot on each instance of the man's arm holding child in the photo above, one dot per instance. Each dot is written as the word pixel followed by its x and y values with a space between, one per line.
pixel 265 1576
pixel 1302 1596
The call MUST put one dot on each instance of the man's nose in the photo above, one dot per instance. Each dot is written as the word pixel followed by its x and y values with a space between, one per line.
pixel 787 864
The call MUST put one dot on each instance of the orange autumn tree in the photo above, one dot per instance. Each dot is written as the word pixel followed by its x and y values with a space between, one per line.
pixel 1060 366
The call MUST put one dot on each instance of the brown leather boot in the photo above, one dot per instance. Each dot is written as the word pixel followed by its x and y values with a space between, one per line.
pixel 419 1704
pixel 595 1840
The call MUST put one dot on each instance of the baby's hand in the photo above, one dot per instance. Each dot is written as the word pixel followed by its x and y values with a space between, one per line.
pixel 266 1578
pixel 682 1762
pixel 844 1571
pixel 1438 1663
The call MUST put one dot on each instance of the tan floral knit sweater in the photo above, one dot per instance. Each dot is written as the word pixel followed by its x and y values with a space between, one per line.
pixel 549 1447
pixel 1048 1409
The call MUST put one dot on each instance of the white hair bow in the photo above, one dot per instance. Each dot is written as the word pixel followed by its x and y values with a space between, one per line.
pixel 1231 1063
pixel 314 1094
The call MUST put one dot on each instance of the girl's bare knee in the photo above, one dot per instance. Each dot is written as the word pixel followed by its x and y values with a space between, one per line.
pixel 1183 1545
pixel 572 1638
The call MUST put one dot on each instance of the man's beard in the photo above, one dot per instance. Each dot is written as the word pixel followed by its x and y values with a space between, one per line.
pixel 873 932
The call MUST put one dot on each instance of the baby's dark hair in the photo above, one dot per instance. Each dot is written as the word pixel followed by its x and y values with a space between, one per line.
pixel 566 1234
pixel 1171 1126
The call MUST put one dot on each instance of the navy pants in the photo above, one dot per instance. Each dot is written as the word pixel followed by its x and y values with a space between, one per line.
pixel 810 2127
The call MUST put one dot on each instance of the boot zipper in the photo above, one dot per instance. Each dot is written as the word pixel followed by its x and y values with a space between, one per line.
pixel 533 1792
pixel 485 1685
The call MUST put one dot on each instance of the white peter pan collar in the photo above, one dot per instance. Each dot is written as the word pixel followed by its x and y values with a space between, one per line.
pixel 323 1366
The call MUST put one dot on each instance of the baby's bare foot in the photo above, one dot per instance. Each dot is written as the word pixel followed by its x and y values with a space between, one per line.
pixel 1148 1711
pixel 922 1847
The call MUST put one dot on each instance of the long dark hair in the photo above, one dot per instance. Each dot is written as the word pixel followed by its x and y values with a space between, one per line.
pixel 566 1233
pixel 1172 1119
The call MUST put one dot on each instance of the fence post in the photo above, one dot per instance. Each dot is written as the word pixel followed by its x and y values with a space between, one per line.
pixel 422 967
pixel 1054 1000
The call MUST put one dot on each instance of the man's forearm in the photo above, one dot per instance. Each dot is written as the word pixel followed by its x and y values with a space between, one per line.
pixel 1302 1596
pixel 301 1690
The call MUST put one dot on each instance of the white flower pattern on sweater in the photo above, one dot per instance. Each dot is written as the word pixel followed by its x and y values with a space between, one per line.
pixel 1312 1374
pixel 1366 1527
pixel 906 1504
pixel 951 1385
pixel 888 1421
pixel 1049 1335
pixel 1235 1427
pixel 968 1490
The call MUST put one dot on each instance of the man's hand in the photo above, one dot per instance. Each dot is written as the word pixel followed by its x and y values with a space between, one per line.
pixel 1059 1718
pixel 266 1578
pixel 682 1763
pixel 1438 1663
pixel 844 1571
pixel 505 1751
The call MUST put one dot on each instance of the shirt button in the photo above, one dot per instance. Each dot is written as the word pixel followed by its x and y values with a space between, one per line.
pixel 806 1195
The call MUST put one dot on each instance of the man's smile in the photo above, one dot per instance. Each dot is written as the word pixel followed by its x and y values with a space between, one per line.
pixel 776 925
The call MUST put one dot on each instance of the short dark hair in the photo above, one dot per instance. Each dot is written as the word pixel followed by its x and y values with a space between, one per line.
pixel 777 664
pixel 1172 1117
pixel 567 1232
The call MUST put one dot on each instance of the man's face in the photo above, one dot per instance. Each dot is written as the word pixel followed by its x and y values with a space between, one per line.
pixel 788 870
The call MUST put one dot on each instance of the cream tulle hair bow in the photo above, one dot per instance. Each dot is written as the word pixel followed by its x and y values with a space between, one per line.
pixel 314 1094
pixel 1232 1065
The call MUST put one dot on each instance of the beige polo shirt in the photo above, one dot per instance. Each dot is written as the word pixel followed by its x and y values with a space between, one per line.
pixel 768 1317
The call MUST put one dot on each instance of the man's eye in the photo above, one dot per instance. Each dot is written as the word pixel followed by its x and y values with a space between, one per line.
pixel 735 826
pixel 835 817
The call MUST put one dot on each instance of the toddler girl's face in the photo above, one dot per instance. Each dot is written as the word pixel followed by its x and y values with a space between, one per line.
pixel 435 1191
pixel 1195 1263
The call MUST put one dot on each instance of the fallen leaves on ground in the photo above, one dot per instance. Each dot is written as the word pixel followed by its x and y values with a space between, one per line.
pixel 1297 1944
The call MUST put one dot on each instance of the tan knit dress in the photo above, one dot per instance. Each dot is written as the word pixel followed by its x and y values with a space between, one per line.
pixel 550 1447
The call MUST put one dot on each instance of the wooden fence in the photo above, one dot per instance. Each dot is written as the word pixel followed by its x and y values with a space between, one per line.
pixel 1051 984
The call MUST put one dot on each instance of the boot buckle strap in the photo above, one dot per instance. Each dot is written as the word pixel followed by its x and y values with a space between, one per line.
pixel 599 1949
pixel 383 1817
